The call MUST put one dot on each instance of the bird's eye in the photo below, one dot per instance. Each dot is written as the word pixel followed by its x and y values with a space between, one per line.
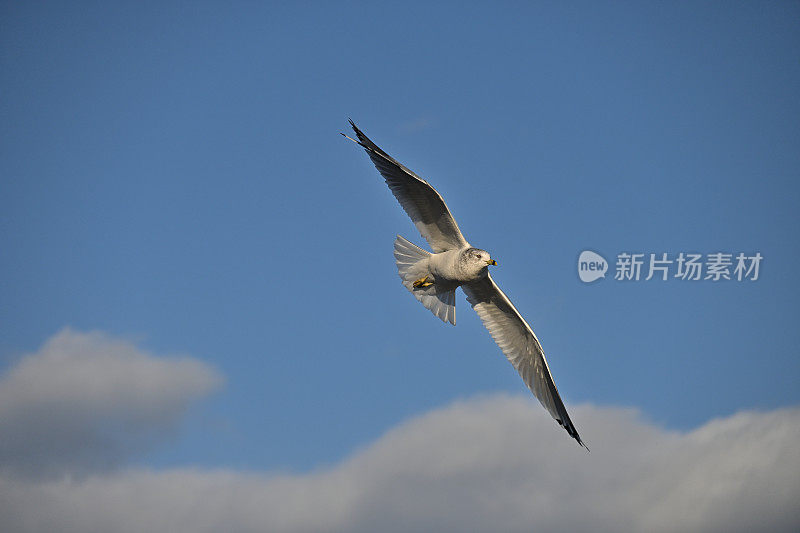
pixel 479 256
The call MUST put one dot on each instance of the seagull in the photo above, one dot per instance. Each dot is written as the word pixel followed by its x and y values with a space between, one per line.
pixel 434 277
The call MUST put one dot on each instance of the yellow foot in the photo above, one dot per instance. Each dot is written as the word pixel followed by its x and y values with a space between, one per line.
pixel 423 282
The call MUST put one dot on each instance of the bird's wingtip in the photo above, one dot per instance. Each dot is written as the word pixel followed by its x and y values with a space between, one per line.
pixel 347 136
pixel 353 125
pixel 355 128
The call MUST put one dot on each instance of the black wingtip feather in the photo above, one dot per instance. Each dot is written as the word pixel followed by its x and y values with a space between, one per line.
pixel 572 433
pixel 373 148
pixel 355 128
pixel 361 137
pixel 355 141
pixel 580 441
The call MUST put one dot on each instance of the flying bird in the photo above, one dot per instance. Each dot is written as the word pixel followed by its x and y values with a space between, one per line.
pixel 434 277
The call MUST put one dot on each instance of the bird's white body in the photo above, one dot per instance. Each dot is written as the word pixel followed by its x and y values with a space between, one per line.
pixel 445 266
pixel 452 267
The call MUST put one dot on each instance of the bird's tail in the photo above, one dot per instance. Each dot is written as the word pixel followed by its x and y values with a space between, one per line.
pixel 412 265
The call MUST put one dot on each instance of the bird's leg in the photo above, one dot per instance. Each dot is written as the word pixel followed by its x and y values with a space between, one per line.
pixel 422 283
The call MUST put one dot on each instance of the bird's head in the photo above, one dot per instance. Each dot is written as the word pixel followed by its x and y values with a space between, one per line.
pixel 478 259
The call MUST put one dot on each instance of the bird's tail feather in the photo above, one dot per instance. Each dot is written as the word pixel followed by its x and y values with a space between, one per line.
pixel 412 265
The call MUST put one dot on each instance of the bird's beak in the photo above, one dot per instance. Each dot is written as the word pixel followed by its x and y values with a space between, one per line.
pixel 492 262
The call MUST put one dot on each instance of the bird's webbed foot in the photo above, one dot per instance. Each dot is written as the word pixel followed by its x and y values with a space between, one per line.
pixel 423 282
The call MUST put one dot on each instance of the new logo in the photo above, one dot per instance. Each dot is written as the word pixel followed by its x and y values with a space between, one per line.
pixel 591 266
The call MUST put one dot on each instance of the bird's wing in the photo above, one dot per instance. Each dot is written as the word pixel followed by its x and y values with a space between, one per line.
pixel 421 201
pixel 515 337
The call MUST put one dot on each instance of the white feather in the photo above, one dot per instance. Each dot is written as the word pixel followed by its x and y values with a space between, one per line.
pixel 412 265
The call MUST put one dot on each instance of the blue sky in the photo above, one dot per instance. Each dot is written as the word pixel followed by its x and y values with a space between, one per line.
pixel 172 175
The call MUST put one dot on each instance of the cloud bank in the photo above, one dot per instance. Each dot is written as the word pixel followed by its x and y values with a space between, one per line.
pixel 492 463
pixel 84 402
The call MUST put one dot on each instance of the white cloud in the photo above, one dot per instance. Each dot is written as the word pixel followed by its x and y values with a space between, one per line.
pixel 85 401
pixel 487 464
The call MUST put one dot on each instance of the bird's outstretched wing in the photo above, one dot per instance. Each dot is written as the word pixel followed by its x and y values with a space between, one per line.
pixel 519 344
pixel 421 201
